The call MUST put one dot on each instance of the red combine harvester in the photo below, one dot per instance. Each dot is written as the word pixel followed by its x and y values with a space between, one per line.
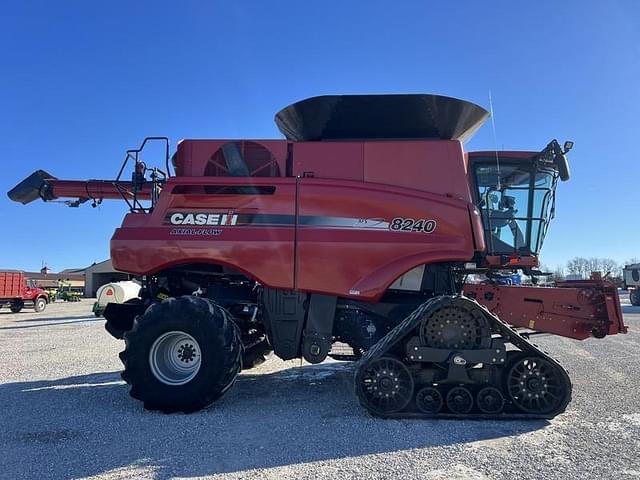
pixel 353 239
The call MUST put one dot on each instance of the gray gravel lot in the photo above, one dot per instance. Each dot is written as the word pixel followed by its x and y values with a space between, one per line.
pixel 65 413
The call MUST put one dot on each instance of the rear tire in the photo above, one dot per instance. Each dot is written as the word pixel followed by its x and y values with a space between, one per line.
pixel 181 355
pixel 16 307
pixel 39 305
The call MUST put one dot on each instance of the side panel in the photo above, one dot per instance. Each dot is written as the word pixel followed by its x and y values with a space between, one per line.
pixel 574 309
pixel 431 166
pixel 346 244
pixel 251 232
pixel 340 160
pixel 12 284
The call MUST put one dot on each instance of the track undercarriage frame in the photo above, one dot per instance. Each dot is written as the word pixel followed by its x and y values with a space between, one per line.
pixel 501 376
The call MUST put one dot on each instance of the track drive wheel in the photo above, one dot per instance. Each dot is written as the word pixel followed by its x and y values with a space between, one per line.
pixel 458 325
pixel 181 355
pixel 384 386
pixel 535 385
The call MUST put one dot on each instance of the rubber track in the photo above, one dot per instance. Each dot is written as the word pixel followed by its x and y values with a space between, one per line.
pixel 412 321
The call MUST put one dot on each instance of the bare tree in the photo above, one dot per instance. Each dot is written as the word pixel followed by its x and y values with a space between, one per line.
pixel 558 274
pixel 610 267
pixel 584 266
pixel 578 266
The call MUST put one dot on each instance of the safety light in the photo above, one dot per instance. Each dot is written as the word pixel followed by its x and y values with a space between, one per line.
pixel 568 145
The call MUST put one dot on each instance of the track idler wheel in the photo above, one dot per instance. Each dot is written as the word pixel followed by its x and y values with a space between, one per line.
pixel 537 386
pixel 429 400
pixel 384 386
pixel 490 400
pixel 459 400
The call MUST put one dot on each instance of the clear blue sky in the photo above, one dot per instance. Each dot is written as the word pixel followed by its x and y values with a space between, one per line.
pixel 82 81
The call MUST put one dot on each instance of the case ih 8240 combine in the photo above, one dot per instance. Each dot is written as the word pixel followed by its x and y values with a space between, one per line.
pixel 352 238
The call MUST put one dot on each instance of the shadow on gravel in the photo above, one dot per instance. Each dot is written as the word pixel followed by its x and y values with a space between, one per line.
pixel 626 309
pixel 52 321
pixel 88 425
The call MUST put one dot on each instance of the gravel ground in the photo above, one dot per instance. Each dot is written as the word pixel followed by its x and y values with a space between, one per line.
pixel 65 413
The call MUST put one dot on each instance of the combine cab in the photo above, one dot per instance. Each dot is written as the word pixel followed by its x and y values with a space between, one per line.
pixel 352 238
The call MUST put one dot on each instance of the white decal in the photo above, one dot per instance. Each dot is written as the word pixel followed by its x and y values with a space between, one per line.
pixel 215 219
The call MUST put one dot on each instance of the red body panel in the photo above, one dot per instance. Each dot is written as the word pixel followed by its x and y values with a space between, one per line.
pixel 146 244
pixel 344 246
pixel 13 286
pixel 342 161
pixel 438 167
pixel 363 256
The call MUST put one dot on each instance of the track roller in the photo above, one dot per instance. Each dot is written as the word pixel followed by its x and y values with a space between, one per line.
pixel 429 400
pixel 490 400
pixel 459 400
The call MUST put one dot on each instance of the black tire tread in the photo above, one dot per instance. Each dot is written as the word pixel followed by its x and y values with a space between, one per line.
pixel 16 307
pixel 202 319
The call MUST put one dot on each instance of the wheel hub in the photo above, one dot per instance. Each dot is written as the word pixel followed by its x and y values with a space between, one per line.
pixel 186 353
pixel 535 385
pixel 175 358
pixel 386 385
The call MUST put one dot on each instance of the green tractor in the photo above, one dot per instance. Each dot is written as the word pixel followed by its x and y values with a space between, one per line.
pixel 66 292
pixel 52 292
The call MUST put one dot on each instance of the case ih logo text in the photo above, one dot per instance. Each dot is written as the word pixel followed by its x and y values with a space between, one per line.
pixel 180 218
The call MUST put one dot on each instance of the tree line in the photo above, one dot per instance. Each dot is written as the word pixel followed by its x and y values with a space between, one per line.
pixel 583 267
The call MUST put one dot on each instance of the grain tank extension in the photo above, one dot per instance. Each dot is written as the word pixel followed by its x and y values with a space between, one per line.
pixel 351 238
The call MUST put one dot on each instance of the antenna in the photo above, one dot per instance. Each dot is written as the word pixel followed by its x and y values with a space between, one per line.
pixel 495 139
